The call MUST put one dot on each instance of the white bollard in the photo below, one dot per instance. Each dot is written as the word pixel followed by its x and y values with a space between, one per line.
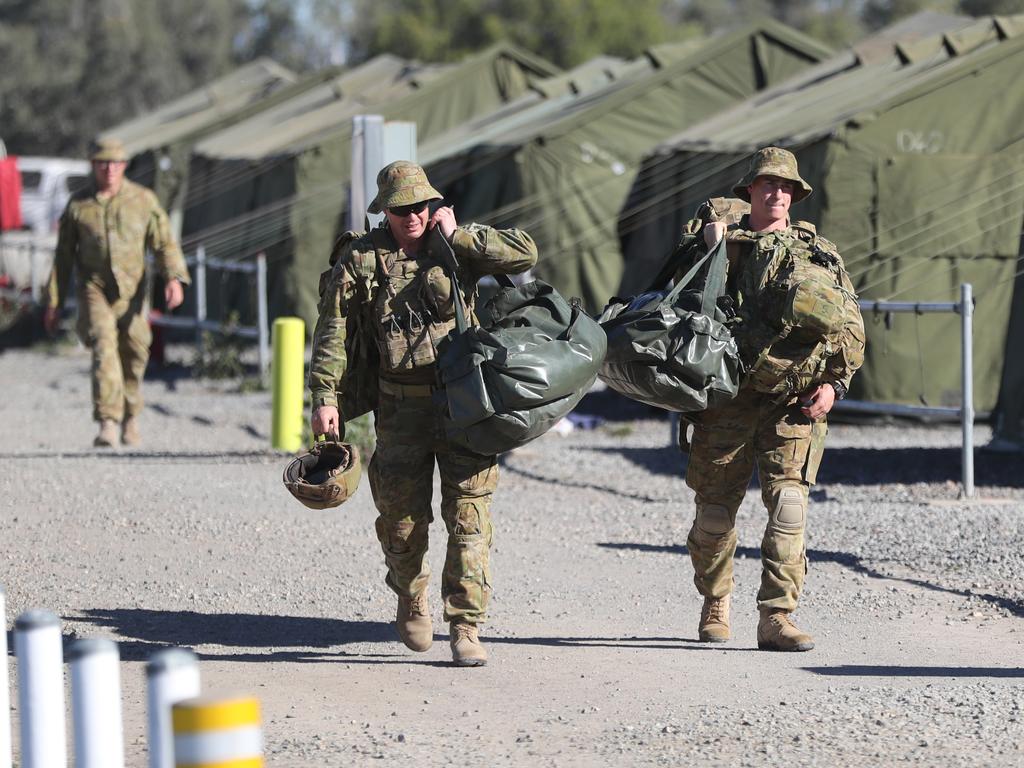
pixel 96 703
pixel 173 676
pixel 5 696
pixel 37 645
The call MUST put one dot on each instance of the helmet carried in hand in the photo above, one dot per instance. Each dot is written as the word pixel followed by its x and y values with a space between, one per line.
pixel 325 476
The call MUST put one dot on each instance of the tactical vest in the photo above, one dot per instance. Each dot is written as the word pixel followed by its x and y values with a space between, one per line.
pixel 793 305
pixel 409 306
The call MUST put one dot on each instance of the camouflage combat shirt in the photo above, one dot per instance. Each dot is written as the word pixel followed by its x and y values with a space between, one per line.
pixel 106 239
pixel 372 278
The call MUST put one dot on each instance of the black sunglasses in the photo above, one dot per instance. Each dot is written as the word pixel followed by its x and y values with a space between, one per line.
pixel 404 210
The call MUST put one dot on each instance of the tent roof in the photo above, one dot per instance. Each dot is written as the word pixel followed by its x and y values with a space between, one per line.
pixel 384 84
pixel 810 105
pixel 559 116
pixel 316 107
pixel 215 101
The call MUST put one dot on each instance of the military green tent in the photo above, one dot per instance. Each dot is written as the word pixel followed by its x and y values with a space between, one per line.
pixel 918 167
pixel 160 141
pixel 562 170
pixel 278 182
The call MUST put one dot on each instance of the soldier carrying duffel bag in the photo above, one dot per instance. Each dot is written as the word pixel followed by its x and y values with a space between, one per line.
pixel 386 304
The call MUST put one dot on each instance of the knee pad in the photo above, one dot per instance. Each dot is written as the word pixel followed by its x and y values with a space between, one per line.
pixel 790 509
pixel 714 519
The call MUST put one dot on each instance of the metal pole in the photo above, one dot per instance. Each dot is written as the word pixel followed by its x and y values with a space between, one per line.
pixel 33 270
pixel 200 295
pixel 262 320
pixel 967 407
pixel 173 676
pixel 37 644
pixel 5 701
pixel 96 703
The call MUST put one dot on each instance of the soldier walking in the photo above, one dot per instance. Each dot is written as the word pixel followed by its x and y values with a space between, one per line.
pixel 390 286
pixel 104 233
pixel 781 432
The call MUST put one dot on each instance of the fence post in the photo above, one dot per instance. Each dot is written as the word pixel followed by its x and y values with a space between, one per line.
pixel 37 644
pixel 33 272
pixel 287 385
pixel 5 701
pixel 173 675
pixel 967 407
pixel 262 321
pixel 210 733
pixel 200 295
pixel 96 703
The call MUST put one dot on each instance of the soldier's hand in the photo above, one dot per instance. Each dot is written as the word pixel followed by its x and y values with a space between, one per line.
pixel 325 421
pixel 174 294
pixel 714 232
pixel 817 402
pixel 51 316
pixel 444 219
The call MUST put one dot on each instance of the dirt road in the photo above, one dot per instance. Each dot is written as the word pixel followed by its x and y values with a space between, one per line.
pixel 915 599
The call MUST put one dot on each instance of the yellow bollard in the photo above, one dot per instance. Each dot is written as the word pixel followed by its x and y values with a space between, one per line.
pixel 288 383
pixel 217 733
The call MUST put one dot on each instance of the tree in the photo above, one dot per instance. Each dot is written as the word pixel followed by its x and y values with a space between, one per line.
pixel 566 32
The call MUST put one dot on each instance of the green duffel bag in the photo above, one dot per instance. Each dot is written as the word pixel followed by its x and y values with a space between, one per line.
pixel 509 383
pixel 671 348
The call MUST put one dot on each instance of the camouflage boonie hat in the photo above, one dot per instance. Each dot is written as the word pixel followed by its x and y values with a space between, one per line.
pixel 773 161
pixel 402 183
pixel 108 149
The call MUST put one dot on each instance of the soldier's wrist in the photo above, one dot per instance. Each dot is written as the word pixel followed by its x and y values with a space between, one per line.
pixel 839 388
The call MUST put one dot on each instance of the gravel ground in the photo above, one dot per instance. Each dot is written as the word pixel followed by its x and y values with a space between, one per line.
pixel 914 596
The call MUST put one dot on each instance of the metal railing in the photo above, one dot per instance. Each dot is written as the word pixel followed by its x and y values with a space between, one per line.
pixel 965 308
pixel 260 332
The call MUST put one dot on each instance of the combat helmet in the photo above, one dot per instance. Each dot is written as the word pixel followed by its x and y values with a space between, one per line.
pixel 325 475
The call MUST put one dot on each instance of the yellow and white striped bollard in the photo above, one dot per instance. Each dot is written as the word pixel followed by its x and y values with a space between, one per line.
pixel 217 733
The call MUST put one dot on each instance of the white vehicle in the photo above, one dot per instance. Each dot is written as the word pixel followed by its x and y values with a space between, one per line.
pixel 46 185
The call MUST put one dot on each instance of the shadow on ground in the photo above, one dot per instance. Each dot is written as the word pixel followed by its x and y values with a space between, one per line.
pixel 863 466
pixel 845 559
pixel 854 670
pixel 145 631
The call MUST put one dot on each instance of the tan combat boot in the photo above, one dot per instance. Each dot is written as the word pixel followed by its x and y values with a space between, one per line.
pixel 130 431
pixel 467 650
pixel 413 622
pixel 108 434
pixel 714 620
pixel 777 632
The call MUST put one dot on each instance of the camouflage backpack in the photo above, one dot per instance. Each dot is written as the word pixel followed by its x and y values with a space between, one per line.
pixel 794 302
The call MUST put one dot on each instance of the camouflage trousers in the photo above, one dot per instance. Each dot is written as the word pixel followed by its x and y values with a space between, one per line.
pixel 118 334
pixel 786 448
pixel 410 438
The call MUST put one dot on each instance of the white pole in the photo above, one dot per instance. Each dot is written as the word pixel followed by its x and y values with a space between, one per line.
pixel 96 703
pixel 200 292
pixel 37 644
pixel 173 676
pixel 967 408
pixel 262 316
pixel 5 700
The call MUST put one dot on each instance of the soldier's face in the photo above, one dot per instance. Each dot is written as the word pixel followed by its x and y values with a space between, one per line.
pixel 409 222
pixel 109 174
pixel 770 197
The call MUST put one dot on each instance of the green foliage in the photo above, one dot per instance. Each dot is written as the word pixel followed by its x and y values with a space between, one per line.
pixel 566 32
pixel 991 7
pixel 880 13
